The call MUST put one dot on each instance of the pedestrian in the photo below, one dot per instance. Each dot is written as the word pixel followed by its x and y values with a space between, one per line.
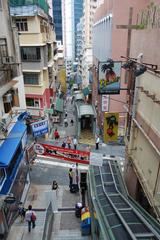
pixel 30 218
pixel 63 144
pixel 68 142
pixel 56 134
pixel 70 174
pixel 21 212
pixel 75 143
pixel 97 142
pixel 55 186
pixel 72 122
pixel 66 114
pixel 65 122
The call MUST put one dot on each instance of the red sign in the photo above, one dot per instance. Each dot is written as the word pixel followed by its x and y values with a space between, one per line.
pixel 66 154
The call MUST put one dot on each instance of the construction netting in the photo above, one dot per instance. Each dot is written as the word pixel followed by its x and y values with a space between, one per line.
pixel 41 3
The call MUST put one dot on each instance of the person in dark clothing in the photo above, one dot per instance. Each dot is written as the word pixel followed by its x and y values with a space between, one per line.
pixel 72 122
pixel 63 144
pixel 70 174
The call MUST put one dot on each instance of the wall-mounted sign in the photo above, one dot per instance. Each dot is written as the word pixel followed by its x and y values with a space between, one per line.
pixel 111 126
pixel 109 77
pixel 105 103
pixel 39 149
pixel 96 159
pixel 39 128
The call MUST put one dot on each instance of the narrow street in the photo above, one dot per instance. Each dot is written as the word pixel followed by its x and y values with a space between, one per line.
pixel 65 225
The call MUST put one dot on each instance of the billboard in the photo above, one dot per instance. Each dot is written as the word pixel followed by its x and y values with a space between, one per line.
pixel 39 128
pixel 109 74
pixel 111 126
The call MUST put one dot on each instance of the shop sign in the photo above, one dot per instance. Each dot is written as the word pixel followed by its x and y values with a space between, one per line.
pixel 105 103
pixel 39 128
pixel 109 77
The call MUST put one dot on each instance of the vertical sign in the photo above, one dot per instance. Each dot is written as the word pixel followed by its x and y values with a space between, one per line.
pixel 111 126
pixel 105 103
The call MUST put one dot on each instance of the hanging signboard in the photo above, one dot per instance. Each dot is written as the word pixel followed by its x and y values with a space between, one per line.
pixel 75 156
pixel 109 77
pixel 111 127
pixel 39 128
pixel 105 103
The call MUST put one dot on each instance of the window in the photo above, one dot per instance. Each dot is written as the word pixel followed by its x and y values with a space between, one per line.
pixel 31 78
pixel 2 175
pixel 14 160
pixel 30 54
pixel 21 24
pixel 31 102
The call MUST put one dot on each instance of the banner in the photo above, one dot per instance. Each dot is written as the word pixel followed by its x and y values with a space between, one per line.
pixel 111 126
pixel 67 154
pixel 109 77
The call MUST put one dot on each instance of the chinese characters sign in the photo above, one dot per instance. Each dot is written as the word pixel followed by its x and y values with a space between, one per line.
pixel 109 77
pixel 39 128
pixel 111 126
pixel 105 103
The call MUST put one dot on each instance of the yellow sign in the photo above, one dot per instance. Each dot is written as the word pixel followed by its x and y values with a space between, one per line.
pixel 110 126
pixel 62 79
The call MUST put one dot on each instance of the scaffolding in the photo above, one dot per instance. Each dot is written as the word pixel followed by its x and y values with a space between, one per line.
pixel 40 3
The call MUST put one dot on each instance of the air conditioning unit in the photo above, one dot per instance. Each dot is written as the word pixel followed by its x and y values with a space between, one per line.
pixel 7 98
pixel 6 118
pixel 8 60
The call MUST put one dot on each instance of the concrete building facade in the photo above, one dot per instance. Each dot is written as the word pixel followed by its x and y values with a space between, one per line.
pixel 111 42
pixel 89 7
pixel 37 43
pixel 142 173
pixel 11 78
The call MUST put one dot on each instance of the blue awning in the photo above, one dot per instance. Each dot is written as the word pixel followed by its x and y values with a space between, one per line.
pixel 11 143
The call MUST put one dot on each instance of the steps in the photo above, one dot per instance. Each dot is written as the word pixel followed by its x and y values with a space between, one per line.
pixel 69 235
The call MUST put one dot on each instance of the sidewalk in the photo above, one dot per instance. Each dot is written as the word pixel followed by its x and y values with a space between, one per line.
pixel 64 219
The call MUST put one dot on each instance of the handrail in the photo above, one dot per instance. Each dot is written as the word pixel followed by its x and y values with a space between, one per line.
pixel 48 222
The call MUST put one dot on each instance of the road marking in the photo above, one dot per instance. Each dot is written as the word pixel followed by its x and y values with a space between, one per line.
pixel 66 165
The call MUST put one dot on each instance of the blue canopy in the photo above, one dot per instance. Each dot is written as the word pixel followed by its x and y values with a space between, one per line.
pixel 11 143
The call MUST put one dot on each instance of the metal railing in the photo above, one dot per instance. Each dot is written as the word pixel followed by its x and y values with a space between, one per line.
pixel 48 221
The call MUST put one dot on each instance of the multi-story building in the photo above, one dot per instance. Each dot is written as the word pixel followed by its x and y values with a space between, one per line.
pixel 142 171
pixel 111 42
pixel 38 47
pixel 77 14
pixel 89 7
pixel 11 78
pixel 57 19
pixel 72 12
pixel 79 29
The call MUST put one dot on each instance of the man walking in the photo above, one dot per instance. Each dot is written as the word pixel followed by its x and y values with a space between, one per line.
pixel 30 217
pixel 97 142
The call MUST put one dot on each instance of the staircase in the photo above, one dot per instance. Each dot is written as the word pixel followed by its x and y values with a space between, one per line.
pixel 87 137
pixel 69 235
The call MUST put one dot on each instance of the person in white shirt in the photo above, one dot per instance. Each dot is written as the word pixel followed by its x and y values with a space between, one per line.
pixel 75 143
pixel 97 142
pixel 30 217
